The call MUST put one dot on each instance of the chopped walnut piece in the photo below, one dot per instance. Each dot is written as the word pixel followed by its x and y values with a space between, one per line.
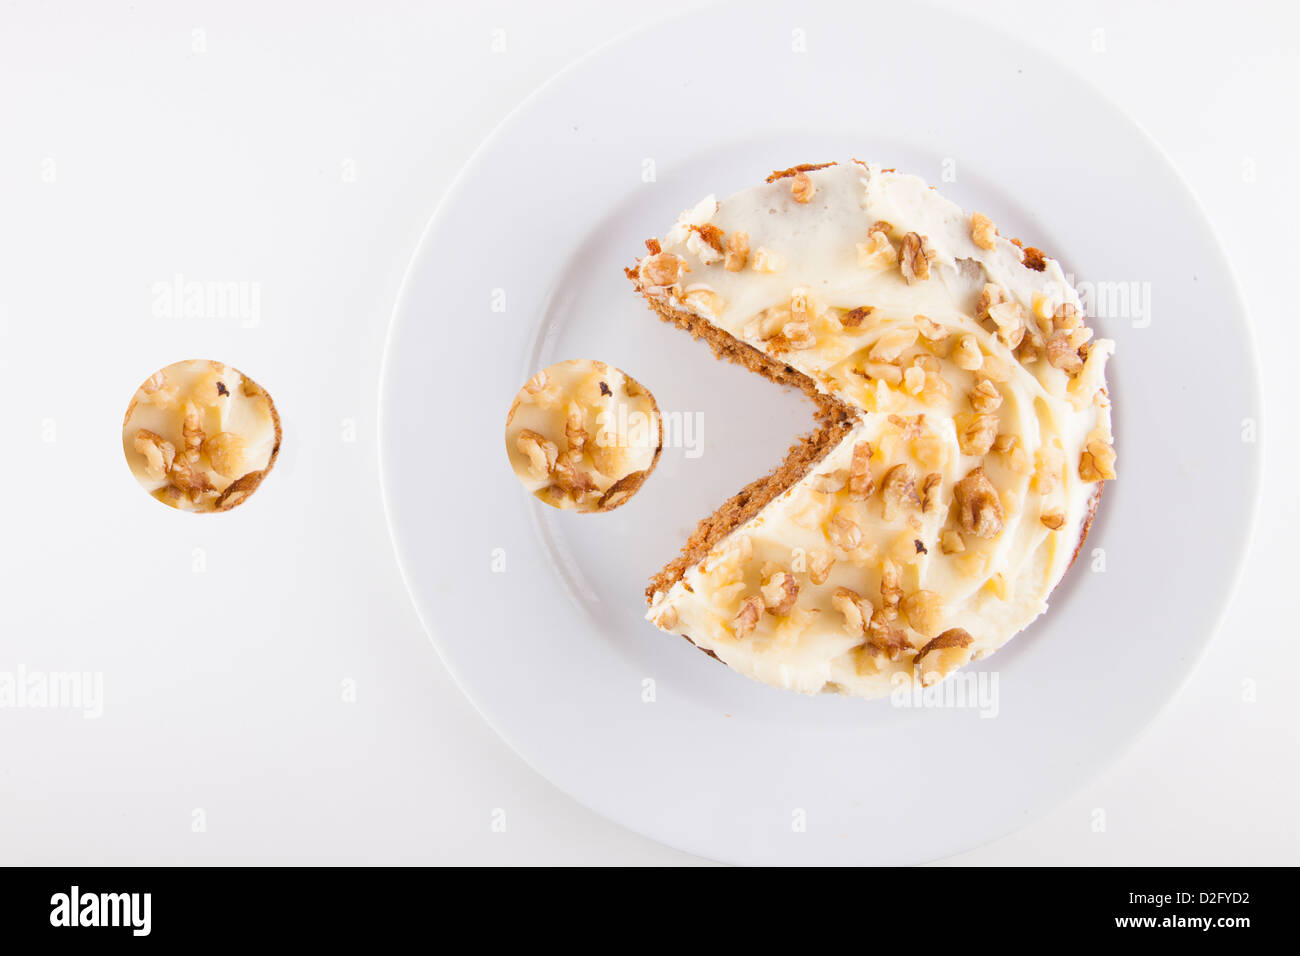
pixel 829 482
pixel 924 612
pixel 898 491
pixel 1035 259
pixel 661 270
pixel 976 433
pixel 941 656
pixel 576 481
pixel 780 592
pixel 853 318
pixel 882 632
pixel 767 324
pixel 737 251
pixel 862 484
pixel 891 374
pixel 979 507
pixel 819 566
pixel 154 382
pixel 891 592
pixel 541 452
pixel 1088 382
pixel 611 459
pixel 930 485
pixel 1097 463
pixel 966 353
pixel 982 230
pixel 666 619
pixel 990 296
pixel 712 235
pixel 1017 458
pixel 1055 520
pixel 540 390
pixel 951 542
pixel 574 431
pixel 555 496
pixel 1009 317
pixel 1066 318
pixel 802 188
pixel 877 252
pixel 1043 311
pixel 189 479
pixel 908 427
pixel 985 397
pixel 844 533
pixel 1028 351
pixel 192 431
pixel 928 362
pixel 1078 338
pixel 702 299
pixel 1061 354
pixel 892 344
pixel 226 453
pixel 1005 443
pixel 799 335
pixel 157 451
pixel 937 390
pixel 799 304
pixel 916 258
pixel 158 392
pixel 747 617
pixel 857 612
pixel 931 330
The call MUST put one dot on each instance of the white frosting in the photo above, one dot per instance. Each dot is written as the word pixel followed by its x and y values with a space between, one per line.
pixel 826 258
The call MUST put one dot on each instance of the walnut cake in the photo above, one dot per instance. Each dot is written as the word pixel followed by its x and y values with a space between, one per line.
pixel 963 430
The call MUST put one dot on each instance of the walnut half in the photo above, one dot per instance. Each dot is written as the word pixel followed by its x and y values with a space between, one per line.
pixel 856 611
pixel 916 258
pixel 158 453
pixel 898 491
pixel 747 617
pixel 979 508
pixel 780 591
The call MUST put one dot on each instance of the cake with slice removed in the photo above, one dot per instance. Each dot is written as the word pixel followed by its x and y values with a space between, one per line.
pixel 963 430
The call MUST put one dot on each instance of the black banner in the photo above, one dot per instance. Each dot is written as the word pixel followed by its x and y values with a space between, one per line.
pixel 1160 906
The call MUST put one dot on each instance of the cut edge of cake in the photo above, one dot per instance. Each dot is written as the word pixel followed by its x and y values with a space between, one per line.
pixel 834 418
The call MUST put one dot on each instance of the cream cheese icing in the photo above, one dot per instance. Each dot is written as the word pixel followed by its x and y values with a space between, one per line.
pixel 939 525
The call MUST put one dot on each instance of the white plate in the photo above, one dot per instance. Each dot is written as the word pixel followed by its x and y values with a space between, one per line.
pixel 553 650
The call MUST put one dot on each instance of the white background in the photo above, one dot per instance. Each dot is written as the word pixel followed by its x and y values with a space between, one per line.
pixel 303 148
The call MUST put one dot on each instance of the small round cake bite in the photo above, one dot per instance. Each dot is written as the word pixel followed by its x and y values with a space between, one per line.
pixel 583 435
pixel 200 436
